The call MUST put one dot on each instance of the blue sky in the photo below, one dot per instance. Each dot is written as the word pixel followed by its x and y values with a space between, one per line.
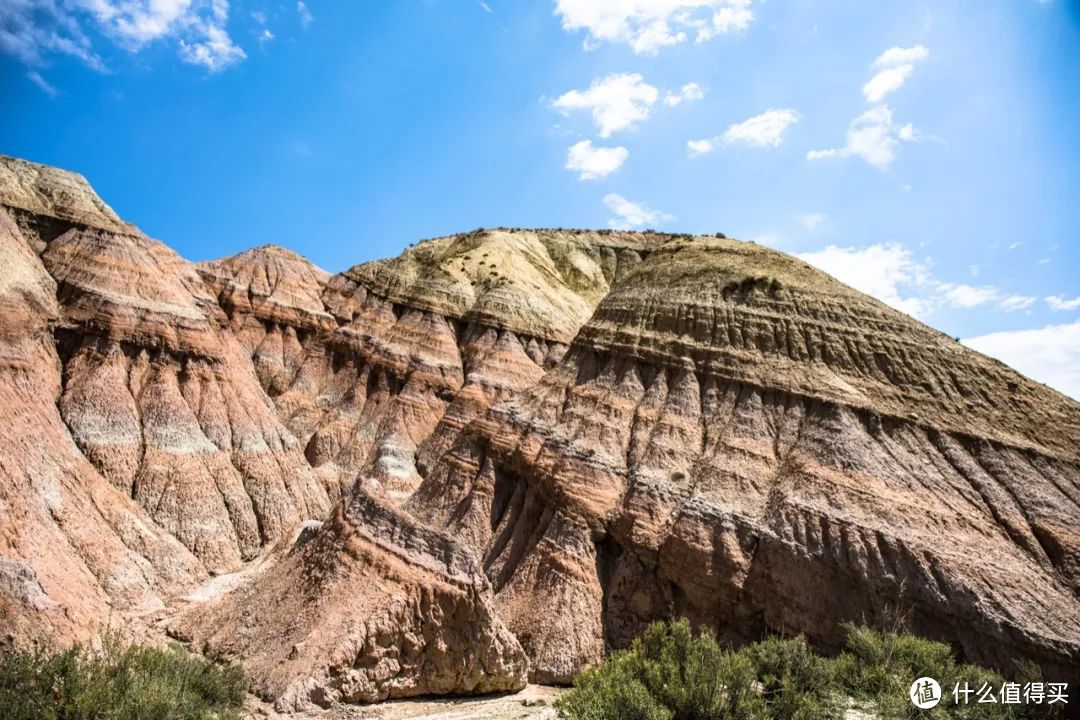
pixel 925 152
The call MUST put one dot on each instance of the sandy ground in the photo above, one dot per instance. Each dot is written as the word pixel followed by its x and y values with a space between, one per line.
pixel 535 702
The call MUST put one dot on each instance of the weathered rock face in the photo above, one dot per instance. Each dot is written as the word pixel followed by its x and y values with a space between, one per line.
pixel 372 606
pixel 139 450
pixel 73 548
pixel 603 429
pixel 166 405
pixel 737 438
pixel 377 369
pixel 45 201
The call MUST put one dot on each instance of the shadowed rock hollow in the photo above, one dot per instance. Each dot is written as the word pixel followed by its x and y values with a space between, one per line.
pixel 502 454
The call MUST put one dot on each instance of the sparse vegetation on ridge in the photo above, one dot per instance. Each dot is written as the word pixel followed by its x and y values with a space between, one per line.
pixel 118 682
pixel 671 672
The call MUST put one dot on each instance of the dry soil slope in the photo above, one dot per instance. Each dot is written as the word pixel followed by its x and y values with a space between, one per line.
pixel 739 438
pixel 378 368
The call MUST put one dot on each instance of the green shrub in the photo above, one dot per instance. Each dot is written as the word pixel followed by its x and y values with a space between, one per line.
pixel 672 673
pixel 795 682
pixel 118 683
pixel 612 691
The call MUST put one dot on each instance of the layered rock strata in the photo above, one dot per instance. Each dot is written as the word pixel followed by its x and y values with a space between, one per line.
pixel 740 439
pixel 74 549
pixel 378 368
pixel 371 606
pixel 603 429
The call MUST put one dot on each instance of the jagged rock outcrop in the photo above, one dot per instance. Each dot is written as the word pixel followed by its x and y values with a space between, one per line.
pixel 378 368
pixel 738 438
pixel 371 606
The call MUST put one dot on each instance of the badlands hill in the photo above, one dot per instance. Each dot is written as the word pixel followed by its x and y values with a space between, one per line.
pixel 501 454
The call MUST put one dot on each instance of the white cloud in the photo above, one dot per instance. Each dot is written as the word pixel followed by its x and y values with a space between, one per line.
pixel 31 30
pixel 1060 302
pixel 306 18
pixel 696 148
pixel 648 25
pixel 594 162
pixel 1050 354
pixel 617 101
pixel 211 45
pixel 886 82
pixel 762 130
pixel 966 297
pixel 901 56
pixel 631 214
pixel 1017 302
pixel 887 272
pixel 485 6
pixel 890 273
pixel 873 136
pixel 35 77
pixel 812 221
pixel 895 66
pixel 689 92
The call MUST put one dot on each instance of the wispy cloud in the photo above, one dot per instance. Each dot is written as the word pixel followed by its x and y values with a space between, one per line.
pixel 891 273
pixel 1060 302
pixel 35 77
pixel 33 30
pixel 894 66
pixel 886 271
pixel 629 214
pixel 872 136
pixel 764 130
pixel 1017 302
pixel 812 221
pixel 306 18
pixel 687 93
pixel 648 25
pixel 697 148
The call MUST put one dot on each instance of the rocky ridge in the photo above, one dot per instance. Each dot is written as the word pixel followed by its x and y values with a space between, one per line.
pixel 596 429
pixel 378 368
pixel 738 438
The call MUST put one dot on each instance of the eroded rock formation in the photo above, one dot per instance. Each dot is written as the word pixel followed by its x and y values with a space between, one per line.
pixel 371 606
pixel 74 549
pixel 378 368
pixel 525 446
pixel 738 438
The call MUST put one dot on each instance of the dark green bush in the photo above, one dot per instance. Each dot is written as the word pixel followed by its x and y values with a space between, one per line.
pixel 672 673
pixel 118 683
